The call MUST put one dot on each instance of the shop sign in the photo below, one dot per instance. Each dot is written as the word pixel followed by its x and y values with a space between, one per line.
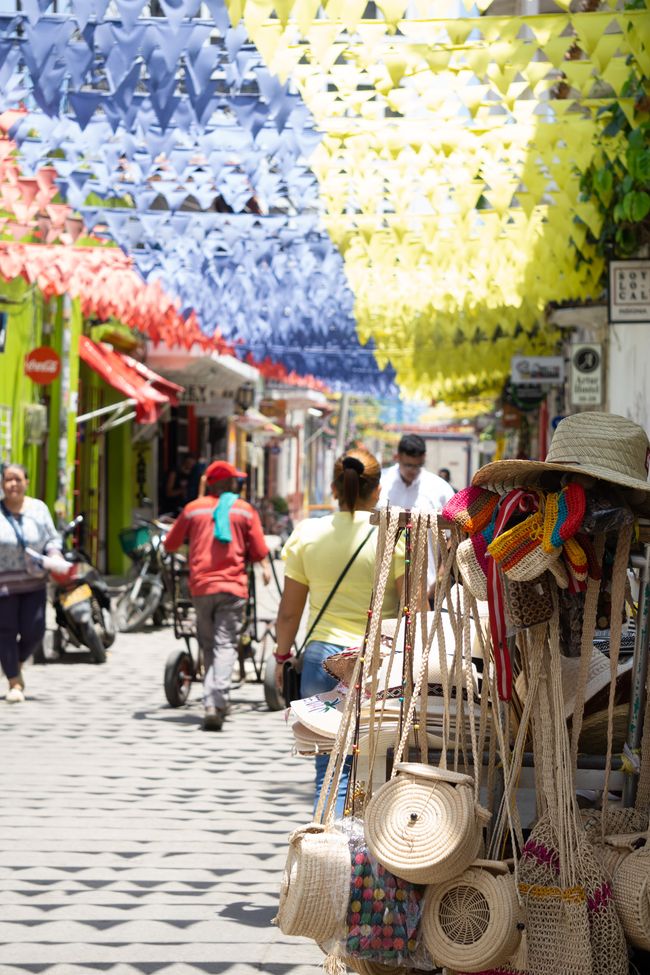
pixel 545 370
pixel 42 365
pixel 629 291
pixel 199 394
pixel 586 375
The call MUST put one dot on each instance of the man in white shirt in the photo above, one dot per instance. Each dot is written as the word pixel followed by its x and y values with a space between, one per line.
pixel 407 485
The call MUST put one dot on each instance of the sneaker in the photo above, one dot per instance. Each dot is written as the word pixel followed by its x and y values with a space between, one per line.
pixel 15 695
pixel 213 719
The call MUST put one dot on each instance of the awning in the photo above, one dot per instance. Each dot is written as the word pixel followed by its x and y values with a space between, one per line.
pixel 222 374
pixel 146 391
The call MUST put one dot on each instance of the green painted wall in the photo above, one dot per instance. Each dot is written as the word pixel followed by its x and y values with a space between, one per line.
pixel 23 306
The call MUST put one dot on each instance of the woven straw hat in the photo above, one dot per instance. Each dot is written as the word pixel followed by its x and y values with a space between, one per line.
pixel 423 824
pixel 321 713
pixel 315 888
pixel 598 676
pixel 605 446
pixel 470 922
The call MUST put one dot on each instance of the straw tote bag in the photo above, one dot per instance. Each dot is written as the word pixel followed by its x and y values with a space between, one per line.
pixel 424 825
pixel 315 887
pixel 631 886
pixel 471 922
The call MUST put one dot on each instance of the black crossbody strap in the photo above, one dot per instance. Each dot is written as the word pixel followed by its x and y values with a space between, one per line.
pixel 332 593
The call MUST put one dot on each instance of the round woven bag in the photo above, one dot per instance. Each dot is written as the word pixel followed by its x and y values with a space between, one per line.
pixel 315 888
pixel 470 923
pixel 631 884
pixel 423 825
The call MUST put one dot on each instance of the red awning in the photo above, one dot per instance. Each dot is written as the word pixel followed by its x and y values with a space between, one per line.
pixel 136 381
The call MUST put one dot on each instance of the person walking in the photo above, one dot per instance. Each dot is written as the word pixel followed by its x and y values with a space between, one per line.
pixel 408 485
pixel 315 555
pixel 224 534
pixel 25 523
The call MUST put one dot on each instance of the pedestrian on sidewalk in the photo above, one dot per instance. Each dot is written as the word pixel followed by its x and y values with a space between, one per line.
pixel 224 534
pixel 315 555
pixel 25 522
pixel 408 485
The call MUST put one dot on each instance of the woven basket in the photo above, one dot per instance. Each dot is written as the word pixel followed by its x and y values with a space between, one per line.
pixel 315 887
pixel 470 923
pixel 364 967
pixel 424 825
pixel 631 886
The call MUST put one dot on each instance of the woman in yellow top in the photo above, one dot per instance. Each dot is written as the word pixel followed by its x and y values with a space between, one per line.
pixel 315 555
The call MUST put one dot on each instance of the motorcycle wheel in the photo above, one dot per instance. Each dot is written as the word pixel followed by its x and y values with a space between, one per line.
pixel 104 625
pixel 179 673
pixel 273 698
pixel 91 639
pixel 131 613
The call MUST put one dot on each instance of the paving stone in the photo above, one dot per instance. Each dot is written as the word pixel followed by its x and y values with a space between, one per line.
pixel 134 843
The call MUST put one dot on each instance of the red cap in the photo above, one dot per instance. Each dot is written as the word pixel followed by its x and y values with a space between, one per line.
pixel 221 470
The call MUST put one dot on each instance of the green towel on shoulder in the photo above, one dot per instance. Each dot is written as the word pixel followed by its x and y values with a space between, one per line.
pixel 221 515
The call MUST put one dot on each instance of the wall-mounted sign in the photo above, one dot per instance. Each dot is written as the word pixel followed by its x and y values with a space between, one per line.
pixel 586 375
pixel 543 370
pixel 200 394
pixel 42 365
pixel 629 291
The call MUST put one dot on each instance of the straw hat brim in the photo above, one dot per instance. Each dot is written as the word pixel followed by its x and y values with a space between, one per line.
pixel 503 475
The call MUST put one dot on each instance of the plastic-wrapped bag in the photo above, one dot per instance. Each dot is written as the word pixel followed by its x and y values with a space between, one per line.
pixel 384 913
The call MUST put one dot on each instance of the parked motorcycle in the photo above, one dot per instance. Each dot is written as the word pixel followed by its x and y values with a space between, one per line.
pixel 145 596
pixel 81 602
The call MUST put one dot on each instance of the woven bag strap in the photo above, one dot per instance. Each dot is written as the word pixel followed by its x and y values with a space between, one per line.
pixel 567 814
pixel 586 652
pixel 619 577
pixel 436 627
pixel 388 528
pixel 477 754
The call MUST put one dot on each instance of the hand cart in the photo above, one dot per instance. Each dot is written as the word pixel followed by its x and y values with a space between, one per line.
pixel 184 666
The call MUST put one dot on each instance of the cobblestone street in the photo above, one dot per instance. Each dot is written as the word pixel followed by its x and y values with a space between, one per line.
pixel 131 841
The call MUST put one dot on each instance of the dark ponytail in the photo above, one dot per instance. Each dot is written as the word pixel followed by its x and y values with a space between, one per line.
pixel 356 476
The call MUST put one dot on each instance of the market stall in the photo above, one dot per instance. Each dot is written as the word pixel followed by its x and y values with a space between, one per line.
pixel 497 808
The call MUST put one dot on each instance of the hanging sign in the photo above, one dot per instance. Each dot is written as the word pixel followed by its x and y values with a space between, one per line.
pixel 586 375
pixel 42 365
pixel 629 292
pixel 545 370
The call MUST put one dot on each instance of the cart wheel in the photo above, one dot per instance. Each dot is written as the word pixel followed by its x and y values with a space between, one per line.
pixel 272 696
pixel 179 674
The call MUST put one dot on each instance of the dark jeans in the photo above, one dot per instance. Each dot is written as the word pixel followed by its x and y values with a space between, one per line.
pixel 22 627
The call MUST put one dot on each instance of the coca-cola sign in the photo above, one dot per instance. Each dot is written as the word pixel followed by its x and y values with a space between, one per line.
pixel 42 365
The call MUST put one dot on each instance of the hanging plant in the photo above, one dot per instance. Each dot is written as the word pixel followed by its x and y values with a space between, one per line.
pixel 617 181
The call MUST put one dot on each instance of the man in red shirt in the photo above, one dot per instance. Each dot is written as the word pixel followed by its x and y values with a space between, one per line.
pixel 224 533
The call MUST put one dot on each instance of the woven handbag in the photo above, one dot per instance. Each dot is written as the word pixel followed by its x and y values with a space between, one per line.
pixel 424 825
pixel 631 886
pixel 528 603
pixel 315 886
pixel 471 922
